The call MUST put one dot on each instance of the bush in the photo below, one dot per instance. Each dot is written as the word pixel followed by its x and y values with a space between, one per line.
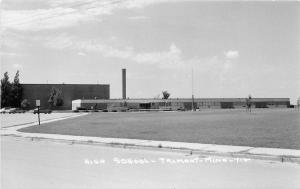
pixel 25 104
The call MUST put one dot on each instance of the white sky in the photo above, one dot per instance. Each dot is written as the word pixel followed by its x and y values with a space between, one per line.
pixel 234 48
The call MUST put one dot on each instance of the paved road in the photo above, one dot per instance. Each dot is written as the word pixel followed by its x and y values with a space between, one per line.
pixel 45 164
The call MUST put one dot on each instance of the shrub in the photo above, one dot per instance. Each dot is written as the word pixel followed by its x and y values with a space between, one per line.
pixel 25 104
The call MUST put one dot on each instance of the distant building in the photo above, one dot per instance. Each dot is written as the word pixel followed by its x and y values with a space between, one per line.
pixel 70 92
pixel 178 104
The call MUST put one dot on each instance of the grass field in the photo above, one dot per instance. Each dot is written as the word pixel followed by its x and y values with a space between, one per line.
pixel 261 128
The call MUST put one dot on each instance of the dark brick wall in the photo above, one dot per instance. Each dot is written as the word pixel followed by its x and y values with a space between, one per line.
pixel 70 92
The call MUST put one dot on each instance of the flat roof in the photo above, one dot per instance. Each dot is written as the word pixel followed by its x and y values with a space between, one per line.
pixel 149 100
pixel 61 84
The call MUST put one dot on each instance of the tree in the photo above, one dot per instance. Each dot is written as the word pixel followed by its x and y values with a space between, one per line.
pixel 56 98
pixel 165 94
pixel 249 103
pixel 16 91
pixel 5 91
pixel 25 104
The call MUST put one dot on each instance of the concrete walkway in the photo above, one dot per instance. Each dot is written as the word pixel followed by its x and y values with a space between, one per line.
pixel 284 155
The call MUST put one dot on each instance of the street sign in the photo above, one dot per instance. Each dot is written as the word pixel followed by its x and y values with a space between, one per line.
pixel 38 103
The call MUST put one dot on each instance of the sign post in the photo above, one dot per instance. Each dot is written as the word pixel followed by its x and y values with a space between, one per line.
pixel 38 104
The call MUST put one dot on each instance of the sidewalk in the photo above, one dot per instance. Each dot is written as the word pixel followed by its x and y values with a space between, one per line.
pixel 283 155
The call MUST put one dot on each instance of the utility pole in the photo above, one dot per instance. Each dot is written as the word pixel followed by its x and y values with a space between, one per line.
pixel 192 89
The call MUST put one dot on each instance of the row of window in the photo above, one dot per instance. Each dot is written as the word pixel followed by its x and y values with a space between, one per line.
pixel 199 104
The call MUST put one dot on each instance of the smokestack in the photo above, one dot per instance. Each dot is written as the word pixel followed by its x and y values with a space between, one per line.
pixel 124 83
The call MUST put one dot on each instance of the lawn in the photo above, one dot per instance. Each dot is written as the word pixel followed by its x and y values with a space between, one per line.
pixel 261 128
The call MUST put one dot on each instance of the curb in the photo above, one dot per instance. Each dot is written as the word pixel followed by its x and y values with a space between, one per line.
pixel 190 151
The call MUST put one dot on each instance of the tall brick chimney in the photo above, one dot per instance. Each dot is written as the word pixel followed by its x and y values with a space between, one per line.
pixel 124 83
